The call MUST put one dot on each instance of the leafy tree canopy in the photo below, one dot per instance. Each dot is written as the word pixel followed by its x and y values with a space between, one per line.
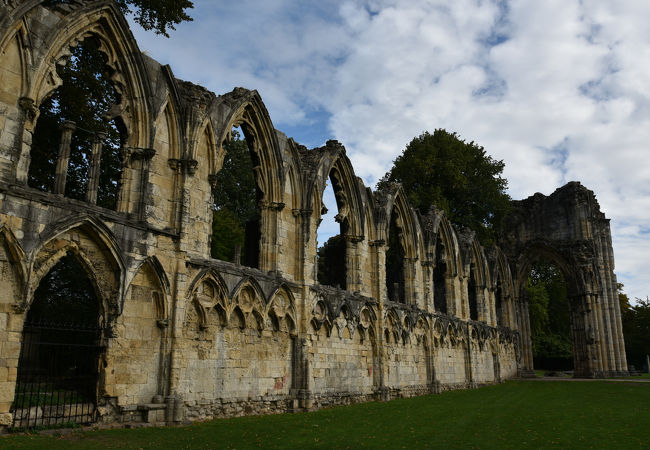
pixel 331 262
pixel 456 176
pixel 549 317
pixel 85 97
pixel 636 329
pixel 157 15
pixel 236 215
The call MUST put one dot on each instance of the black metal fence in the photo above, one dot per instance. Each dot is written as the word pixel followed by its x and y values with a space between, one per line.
pixel 57 375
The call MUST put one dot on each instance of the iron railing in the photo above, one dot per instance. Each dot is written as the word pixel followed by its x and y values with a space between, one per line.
pixel 57 375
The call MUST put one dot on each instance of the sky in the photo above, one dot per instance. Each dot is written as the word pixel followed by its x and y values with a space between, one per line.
pixel 559 90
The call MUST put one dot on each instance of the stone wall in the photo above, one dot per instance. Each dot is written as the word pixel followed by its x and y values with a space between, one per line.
pixel 187 337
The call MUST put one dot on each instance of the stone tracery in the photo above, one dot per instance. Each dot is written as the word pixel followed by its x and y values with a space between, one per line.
pixel 226 336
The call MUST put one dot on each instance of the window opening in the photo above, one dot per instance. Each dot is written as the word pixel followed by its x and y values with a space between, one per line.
pixel 395 261
pixel 236 216
pixel 76 146
pixel 440 279
pixel 332 254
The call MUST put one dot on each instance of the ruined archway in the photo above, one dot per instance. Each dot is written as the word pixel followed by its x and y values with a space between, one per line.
pixel 568 229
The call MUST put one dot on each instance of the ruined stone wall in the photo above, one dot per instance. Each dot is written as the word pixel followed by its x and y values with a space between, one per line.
pixel 189 337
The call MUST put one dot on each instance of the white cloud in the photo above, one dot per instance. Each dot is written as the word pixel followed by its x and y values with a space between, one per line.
pixel 557 89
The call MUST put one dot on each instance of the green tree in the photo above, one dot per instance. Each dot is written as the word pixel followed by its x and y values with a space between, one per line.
pixel 157 15
pixel 636 328
pixel 549 317
pixel 236 215
pixel 331 262
pixel 459 177
pixel 85 97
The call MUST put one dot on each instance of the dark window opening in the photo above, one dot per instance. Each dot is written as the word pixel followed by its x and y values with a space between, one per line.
pixel 395 255
pixel 440 279
pixel 471 293
pixel 236 232
pixel 499 304
pixel 82 105
pixel 332 254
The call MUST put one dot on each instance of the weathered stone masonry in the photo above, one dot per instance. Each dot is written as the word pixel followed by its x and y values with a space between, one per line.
pixel 190 337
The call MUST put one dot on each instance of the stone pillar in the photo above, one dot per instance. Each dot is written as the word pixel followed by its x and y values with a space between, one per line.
pixel 410 292
pixel 95 169
pixel 269 216
pixel 352 263
pixel 23 159
pixel 64 156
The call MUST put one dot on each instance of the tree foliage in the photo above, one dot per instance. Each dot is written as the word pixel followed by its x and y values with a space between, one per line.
pixel 65 296
pixel 157 15
pixel 236 215
pixel 636 329
pixel 331 262
pixel 549 317
pixel 85 97
pixel 459 177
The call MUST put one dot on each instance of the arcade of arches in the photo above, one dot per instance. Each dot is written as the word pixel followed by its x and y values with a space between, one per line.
pixel 178 335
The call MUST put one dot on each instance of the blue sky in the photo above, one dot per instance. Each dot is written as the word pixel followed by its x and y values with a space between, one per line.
pixel 557 89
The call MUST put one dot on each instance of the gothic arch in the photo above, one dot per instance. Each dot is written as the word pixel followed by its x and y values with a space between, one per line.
pixel 162 304
pixel 245 108
pixel 333 164
pixel 216 298
pixel 503 288
pixel 105 266
pixel 103 21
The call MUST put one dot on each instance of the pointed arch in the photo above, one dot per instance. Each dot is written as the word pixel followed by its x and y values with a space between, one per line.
pixel 94 245
pixel 209 292
pixel 503 288
pixel 396 216
pixel 245 109
pixel 334 165
pixel 105 22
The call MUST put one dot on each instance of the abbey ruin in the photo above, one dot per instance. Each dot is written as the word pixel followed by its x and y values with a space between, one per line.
pixel 181 336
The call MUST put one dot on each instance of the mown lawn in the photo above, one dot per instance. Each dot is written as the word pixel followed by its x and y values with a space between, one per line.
pixel 517 414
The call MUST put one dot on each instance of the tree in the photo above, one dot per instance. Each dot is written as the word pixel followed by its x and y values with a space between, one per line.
pixel 459 177
pixel 236 215
pixel 331 262
pixel 549 317
pixel 157 15
pixel 636 328
pixel 85 97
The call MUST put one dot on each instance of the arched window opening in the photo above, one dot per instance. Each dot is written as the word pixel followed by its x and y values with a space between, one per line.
pixel 332 254
pixel 59 360
pixel 236 215
pixel 548 304
pixel 77 145
pixel 499 304
pixel 395 255
pixel 440 279
pixel 471 293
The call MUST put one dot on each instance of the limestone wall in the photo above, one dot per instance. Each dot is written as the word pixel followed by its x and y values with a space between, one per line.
pixel 189 337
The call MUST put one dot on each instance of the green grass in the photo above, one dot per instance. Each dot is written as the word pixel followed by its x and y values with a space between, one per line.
pixel 517 414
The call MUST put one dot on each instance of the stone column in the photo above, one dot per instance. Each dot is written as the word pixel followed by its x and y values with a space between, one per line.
pixel 410 292
pixel 64 156
pixel 93 175
pixel 269 216
pixel 26 122
pixel 352 263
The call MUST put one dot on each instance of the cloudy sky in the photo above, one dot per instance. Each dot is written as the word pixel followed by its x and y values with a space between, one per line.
pixel 559 89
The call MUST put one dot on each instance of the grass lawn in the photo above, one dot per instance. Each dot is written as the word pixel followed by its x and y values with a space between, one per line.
pixel 517 414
